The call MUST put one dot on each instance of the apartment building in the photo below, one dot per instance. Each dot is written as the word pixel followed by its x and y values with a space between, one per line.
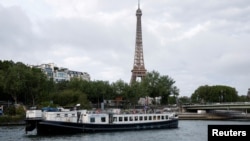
pixel 62 74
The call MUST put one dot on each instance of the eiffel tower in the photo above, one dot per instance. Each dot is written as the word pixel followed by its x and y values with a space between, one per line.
pixel 138 71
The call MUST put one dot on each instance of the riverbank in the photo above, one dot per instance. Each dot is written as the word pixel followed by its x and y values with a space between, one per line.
pixel 12 120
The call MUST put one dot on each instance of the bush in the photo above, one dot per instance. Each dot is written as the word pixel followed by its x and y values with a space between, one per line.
pixel 10 119
pixel 20 110
pixel 11 111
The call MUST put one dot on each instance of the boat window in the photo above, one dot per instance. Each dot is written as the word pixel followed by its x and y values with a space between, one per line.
pixel 150 118
pixel 66 115
pixel 92 119
pixel 154 117
pixel 125 118
pixel 162 117
pixel 114 119
pixel 145 118
pixel 136 118
pixel 166 116
pixel 57 115
pixel 120 118
pixel 130 118
pixel 103 119
pixel 158 117
pixel 141 118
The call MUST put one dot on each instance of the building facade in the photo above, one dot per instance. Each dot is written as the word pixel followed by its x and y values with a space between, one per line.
pixel 62 74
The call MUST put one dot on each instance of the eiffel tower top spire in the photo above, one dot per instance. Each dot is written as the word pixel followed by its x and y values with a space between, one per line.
pixel 138 4
pixel 138 11
pixel 138 70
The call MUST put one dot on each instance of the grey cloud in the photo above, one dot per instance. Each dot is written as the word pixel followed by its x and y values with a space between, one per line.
pixel 203 42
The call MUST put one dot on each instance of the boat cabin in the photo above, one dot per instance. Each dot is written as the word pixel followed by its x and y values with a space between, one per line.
pixel 84 116
pixel 125 118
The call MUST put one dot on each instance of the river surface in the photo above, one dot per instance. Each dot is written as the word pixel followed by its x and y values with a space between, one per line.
pixel 188 130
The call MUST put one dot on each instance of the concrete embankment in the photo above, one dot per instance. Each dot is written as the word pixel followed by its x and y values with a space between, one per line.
pixel 195 116
pixel 12 123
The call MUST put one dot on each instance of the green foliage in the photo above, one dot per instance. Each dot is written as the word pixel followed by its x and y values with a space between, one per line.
pixel 11 111
pixel 14 81
pixel 135 91
pixel 14 110
pixel 83 100
pixel 70 98
pixel 6 119
pixel 30 86
pixel 156 85
pixel 243 98
pixel 22 83
pixel 217 93
pixel 184 100
pixel 20 110
pixel 98 91
pixel 65 97
pixel 47 104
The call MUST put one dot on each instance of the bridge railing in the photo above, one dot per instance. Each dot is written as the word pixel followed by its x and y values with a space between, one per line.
pixel 216 103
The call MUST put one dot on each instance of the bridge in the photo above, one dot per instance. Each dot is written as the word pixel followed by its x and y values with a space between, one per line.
pixel 232 110
pixel 217 106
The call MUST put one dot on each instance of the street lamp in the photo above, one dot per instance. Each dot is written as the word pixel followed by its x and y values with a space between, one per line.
pixel 221 97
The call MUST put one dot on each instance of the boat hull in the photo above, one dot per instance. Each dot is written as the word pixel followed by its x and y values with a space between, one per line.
pixel 55 127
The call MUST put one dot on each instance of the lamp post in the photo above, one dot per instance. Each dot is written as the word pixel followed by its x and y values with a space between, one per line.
pixel 221 96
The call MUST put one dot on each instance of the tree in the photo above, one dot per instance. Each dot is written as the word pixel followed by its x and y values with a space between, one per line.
pixel 36 85
pixel 71 97
pixel 135 91
pixel 22 83
pixel 98 91
pixel 4 67
pixel 216 93
pixel 14 80
pixel 184 100
pixel 157 85
pixel 120 89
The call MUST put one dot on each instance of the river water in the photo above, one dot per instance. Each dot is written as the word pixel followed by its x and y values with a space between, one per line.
pixel 189 130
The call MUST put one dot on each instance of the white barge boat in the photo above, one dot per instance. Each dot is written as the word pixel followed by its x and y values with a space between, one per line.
pixel 81 121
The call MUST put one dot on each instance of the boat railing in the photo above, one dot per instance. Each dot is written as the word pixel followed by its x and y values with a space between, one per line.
pixel 128 111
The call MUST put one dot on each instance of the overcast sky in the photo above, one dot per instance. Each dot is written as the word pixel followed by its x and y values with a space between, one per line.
pixel 195 42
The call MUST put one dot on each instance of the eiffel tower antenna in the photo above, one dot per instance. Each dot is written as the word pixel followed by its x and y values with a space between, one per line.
pixel 138 70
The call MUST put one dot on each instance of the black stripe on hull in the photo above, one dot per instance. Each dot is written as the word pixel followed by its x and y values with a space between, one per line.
pixel 54 127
